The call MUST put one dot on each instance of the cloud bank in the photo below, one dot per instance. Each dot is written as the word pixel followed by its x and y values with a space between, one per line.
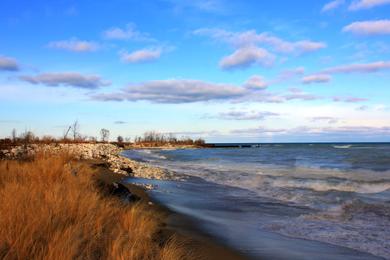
pixel 174 91
pixel 178 91
pixel 67 79
pixel 314 132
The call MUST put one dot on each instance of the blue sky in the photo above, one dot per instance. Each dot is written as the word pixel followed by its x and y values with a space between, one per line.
pixel 227 71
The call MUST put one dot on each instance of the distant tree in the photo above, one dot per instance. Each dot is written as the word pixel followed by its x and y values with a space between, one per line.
pixel 92 139
pixel 172 138
pixel 66 132
pixel 14 135
pixel 48 139
pixel 200 141
pixel 104 134
pixel 119 139
pixel 137 139
pixel 28 137
pixel 74 129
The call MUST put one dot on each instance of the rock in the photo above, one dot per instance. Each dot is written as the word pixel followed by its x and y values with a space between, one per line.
pixel 127 169
pixel 122 191
pixel 108 153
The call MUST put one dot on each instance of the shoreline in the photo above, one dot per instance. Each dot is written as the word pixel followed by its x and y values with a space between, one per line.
pixel 113 168
pixel 174 223
pixel 189 219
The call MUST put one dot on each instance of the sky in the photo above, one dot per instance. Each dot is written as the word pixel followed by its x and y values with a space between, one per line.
pixel 223 70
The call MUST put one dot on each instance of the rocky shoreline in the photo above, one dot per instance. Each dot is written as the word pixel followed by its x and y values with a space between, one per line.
pixel 108 153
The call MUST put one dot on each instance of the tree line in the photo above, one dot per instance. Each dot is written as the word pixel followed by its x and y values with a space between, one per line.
pixel 72 134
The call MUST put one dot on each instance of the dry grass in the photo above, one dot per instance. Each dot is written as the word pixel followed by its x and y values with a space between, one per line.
pixel 51 209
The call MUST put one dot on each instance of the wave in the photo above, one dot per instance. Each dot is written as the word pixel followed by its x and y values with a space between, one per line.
pixel 342 146
pixel 353 209
pixel 354 224
pixel 330 185
pixel 317 173
pixel 152 154
pixel 261 179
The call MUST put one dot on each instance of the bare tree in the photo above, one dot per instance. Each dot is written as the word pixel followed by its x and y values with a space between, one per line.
pixel 105 134
pixel 28 137
pixel 14 136
pixel 74 129
pixel 67 132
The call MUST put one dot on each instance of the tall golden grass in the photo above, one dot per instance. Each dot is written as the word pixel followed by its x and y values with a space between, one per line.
pixel 51 208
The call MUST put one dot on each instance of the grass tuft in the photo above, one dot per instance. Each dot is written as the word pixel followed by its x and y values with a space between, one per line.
pixel 51 208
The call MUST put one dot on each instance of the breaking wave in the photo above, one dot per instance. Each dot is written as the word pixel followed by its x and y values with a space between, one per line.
pixel 355 224
pixel 341 191
pixel 342 146
pixel 329 185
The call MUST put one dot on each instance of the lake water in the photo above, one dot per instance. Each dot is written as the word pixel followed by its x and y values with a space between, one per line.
pixel 283 201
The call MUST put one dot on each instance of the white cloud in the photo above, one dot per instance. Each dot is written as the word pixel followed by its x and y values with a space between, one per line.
pixel 359 68
pixel 256 83
pixel 251 47
pixel 381 107
pixel 74 45
pixel 214 6
pixel 129 33
pixel 245 115
pixel 175 91
pixel 328 119
pixel 315 132
pixel 367 4
pixel 7 63
pixel 247 56
pixel 143 55
pixel 258 131
pixel 68 79
pixel 119 122
pixel 317 78
pixel 332 5
pixel 377 27
pixel 288 74
pixel 308 46
pixel 298 94
pixel 362 108
pixel 251 38
pixel 349 99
